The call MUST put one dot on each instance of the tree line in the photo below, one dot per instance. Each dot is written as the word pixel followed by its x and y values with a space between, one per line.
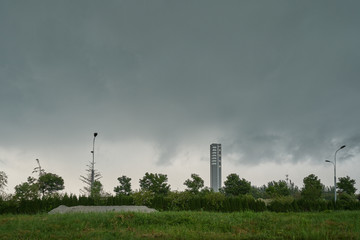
pixel 48 184
pixel 155 186
pixel 42 194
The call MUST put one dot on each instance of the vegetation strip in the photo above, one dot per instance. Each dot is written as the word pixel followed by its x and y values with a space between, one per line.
pixel 183 225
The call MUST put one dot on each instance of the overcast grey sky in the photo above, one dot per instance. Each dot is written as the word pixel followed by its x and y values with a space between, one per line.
pixel 276 82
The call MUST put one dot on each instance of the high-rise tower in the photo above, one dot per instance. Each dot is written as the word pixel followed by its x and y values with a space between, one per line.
pixel 215 166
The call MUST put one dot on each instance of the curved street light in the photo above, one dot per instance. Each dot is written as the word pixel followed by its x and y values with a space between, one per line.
pixel 93 162
pixel 334 163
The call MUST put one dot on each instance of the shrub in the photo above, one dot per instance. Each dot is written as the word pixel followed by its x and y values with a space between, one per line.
pixel 143 198
pixel 213 201
pixel 281 204
pixel 179 200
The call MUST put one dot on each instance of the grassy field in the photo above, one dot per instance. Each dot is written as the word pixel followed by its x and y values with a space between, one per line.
pixel 183 225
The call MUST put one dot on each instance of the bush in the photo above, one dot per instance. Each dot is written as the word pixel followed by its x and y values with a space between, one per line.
pixel 143 198
pixel 347 202
pixel 181 201
pixel 282 204
pixel 213 201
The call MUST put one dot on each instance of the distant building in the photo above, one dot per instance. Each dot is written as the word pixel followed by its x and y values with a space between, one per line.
pixel 215 166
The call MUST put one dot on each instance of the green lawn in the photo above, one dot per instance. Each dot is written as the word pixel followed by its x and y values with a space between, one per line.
pixel 183 225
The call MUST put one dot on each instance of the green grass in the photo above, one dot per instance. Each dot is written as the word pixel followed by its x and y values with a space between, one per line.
pixel 183 225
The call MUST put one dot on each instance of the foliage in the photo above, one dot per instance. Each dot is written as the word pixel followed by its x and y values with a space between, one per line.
pixel 214 201
pixel 346 185
pixel 206 190
pixel 277 189
pixel 258 192
pixel 282 204
pixel 143 197
pixel 234 186
pixel 120 200
pixel 125 186
pixel 50 183
pixel 179 201
pixel 92 174
pixel 28 190
pixel 156 183
pixel 294 190
pixel 38 169
pixel 347 201
pixel 195 184
pixel 312 188
pixel 97 190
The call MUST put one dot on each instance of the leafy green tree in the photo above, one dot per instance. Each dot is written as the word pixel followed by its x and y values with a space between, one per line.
pixel 50 183
pixel 125 186
pixel 195 184
pixel 206 190
pixel 312 189
pixel 277 189
pixel 258 192
pixel 28 190
pixel 97 190
pixel 234 186
pixel 347 185
pixel 156 183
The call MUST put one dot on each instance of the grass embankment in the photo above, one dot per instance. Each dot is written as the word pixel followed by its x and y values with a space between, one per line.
pixel 183 225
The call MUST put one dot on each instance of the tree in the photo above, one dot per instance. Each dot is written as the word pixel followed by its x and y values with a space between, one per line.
pixel 92 175
pixel 234 186
pixel 294 190
pixel 195 184
pixel 277 189
pixel 50 183
pixel 3 180
pixel 88 179
pixel 346 184
pixel 28 190
pixel 206 190
pixel 125 186
pixel 156 183
pixel 312 188
pixel 258 192
pixel 97 190
pixel 38 169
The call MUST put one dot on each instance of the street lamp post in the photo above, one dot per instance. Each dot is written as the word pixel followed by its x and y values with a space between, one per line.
pixel 334 163
pixel 93 162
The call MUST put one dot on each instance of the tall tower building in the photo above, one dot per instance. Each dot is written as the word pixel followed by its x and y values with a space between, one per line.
pixel 215 166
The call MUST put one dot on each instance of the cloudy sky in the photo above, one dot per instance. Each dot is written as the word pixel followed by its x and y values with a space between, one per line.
pixel 275 82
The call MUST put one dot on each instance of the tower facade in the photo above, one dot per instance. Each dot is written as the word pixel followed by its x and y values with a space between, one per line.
pixel 215 166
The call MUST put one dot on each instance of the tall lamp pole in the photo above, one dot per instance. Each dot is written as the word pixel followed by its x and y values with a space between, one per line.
pixel 93 162
pixel 334 163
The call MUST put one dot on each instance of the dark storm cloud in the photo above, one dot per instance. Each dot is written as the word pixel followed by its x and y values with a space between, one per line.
pixel 277 80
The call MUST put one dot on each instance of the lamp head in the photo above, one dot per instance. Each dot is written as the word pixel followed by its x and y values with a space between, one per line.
pixel 327 161
pixel 342 146
pixel 95 134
